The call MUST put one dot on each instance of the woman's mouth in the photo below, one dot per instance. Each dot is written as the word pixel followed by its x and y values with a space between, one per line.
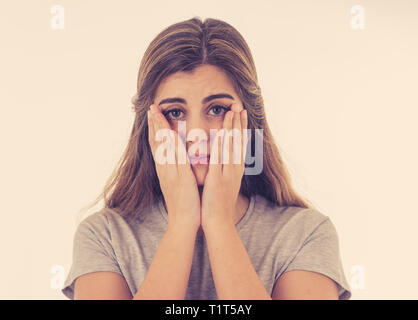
pixel 199 160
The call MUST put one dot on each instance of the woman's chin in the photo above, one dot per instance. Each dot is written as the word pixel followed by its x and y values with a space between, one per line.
pixel 200 173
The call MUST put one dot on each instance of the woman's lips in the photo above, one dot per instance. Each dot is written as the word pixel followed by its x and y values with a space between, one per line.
pixel 199 160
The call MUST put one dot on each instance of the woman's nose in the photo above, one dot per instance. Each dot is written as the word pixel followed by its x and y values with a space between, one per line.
pixel 197 130
pixel 196 126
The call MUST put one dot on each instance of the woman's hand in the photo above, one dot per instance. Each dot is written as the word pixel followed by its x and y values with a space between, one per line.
pixel 177 181
pixel 223 180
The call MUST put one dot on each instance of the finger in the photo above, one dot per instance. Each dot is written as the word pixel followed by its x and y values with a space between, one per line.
pixel 227 141
pixel 151 131
pixel 237 134
pixel 162 127
pixel 215 161
pixel 182 160
pixel 153 143
pixel 244 126
pixel 161 121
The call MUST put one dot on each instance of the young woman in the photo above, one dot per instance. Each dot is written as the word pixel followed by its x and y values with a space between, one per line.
pixel 208 228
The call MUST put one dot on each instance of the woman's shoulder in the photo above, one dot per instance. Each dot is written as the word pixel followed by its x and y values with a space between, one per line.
pixel 101 219
pixel 292 216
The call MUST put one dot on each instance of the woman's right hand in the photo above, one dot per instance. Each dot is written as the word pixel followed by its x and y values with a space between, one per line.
pixel 177 181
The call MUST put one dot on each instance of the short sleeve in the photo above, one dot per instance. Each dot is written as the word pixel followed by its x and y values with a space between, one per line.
pixel 320 253
pixel 92 252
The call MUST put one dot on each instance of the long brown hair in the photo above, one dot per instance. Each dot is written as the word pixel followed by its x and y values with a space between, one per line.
pixel 182 47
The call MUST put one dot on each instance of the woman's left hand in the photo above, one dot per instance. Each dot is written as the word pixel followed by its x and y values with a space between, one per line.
pixel 223 180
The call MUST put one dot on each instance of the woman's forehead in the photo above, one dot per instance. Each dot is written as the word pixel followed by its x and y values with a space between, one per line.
pixel 200 84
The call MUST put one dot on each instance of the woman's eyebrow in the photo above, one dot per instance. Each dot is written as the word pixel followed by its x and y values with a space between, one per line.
pixel 205 100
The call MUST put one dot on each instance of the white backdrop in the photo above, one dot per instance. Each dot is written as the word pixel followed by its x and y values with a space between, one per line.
pixel 339 81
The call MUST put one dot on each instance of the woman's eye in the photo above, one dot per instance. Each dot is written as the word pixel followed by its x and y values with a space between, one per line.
pixel 218 109
pixel 174 113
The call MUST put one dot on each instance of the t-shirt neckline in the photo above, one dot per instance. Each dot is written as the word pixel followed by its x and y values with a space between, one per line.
pixel 238 225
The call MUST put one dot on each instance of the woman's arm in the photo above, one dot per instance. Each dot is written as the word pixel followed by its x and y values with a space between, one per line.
pixel 168 276
pixel 236 279
pixel 304 285
pixel 233 273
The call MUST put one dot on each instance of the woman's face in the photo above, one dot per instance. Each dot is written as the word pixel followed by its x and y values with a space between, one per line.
pixel 198 106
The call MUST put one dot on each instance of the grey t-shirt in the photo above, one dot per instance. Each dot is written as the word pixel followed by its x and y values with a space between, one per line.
pixel 277 239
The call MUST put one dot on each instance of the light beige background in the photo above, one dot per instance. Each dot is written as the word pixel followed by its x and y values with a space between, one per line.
pixel 342 104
